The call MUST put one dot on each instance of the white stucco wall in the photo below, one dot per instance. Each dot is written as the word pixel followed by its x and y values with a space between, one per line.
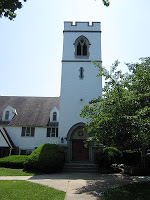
pixel 95 47
pixel 3 142
pixel 30 142
pixel 73 89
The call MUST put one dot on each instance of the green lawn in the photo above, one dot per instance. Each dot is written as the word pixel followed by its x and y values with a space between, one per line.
pixel 135 191
pixel 24 190
pixel 13 172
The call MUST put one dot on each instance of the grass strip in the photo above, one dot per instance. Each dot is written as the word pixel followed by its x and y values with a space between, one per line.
pixel 24 190
pixel 14 172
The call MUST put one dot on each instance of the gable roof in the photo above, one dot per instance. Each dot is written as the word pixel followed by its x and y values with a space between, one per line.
pixel 32 111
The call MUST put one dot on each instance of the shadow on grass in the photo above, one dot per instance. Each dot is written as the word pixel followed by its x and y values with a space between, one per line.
pixel 139 191
pixel 105 183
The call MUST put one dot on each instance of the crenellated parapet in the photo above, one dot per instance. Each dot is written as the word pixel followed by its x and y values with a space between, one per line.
pixel 82 26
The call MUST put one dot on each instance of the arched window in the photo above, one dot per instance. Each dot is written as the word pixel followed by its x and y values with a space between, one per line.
pixel 6 115
pixel 82 47
pixel 54 116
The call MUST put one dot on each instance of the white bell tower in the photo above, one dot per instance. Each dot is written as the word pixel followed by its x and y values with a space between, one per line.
pixel 79 84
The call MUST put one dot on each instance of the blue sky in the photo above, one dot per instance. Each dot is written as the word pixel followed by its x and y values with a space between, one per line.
pixel 31 45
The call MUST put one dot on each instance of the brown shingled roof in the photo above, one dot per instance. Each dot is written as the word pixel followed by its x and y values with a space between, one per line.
pixel 32 111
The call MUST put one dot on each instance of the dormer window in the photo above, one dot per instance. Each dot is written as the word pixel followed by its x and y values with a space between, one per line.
pixel 54 116
pixel 82 47
pixel 7 115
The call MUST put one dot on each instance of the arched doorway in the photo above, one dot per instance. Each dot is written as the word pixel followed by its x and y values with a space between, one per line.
pixel 76 149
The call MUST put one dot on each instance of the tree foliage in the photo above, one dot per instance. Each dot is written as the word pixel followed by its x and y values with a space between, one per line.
pixel 8 8
pixel 120 117
pixel 106 2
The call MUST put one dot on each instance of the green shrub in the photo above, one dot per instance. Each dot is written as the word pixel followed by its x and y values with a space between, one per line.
pixel 132 158
pixel 109 156
pixel 15 161
pixel 47 157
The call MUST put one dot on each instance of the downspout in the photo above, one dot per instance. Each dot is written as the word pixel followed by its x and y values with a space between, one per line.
pixel 10 151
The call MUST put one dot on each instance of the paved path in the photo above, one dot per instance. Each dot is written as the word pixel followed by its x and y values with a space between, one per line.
pixel 80 186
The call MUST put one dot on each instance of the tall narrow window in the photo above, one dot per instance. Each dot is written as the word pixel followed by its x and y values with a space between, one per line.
pixel 82 47
pixel 54 116
pixel 6 115
pixel 81 75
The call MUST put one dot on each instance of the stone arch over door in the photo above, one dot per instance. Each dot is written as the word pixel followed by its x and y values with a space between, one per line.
pixel 76 150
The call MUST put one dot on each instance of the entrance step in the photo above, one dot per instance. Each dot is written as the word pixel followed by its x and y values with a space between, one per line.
pixel 80 167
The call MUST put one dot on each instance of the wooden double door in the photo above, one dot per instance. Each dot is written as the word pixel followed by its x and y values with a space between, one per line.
pixel 79 152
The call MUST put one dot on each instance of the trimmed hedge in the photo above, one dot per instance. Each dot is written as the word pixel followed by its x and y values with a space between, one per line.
pixel 14 161
pixel 109 156
pixel 47 157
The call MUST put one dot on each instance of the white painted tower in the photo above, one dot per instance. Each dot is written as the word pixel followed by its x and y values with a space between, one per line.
pixel 79 84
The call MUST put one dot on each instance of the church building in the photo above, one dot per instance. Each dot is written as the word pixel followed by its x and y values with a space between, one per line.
pixel 27 122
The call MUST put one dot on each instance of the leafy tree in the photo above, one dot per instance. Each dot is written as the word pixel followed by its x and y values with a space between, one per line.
pixel 106 2
pixel 8 8
pixel 120 117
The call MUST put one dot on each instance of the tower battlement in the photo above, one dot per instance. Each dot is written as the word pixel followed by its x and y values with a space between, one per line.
pixel 82 26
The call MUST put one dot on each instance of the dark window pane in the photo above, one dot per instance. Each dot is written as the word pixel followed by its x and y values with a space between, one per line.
pixel 48 132
pixel 6 115
pixel 23 131
pixel 79 49
pixel 32 132
pixel 84 50
pixel 56 132
pixel 54 116
pixel 81 73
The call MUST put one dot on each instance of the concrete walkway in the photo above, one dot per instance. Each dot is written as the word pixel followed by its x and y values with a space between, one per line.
pixel 80 186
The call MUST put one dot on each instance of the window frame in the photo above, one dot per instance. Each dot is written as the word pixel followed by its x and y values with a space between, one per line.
pixel 28 131
pixel 85 42
pixel 54 116
pixel 52 132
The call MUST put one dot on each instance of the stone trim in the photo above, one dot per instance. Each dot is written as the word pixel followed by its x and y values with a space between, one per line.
pixel 81 61
pixel 83 31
